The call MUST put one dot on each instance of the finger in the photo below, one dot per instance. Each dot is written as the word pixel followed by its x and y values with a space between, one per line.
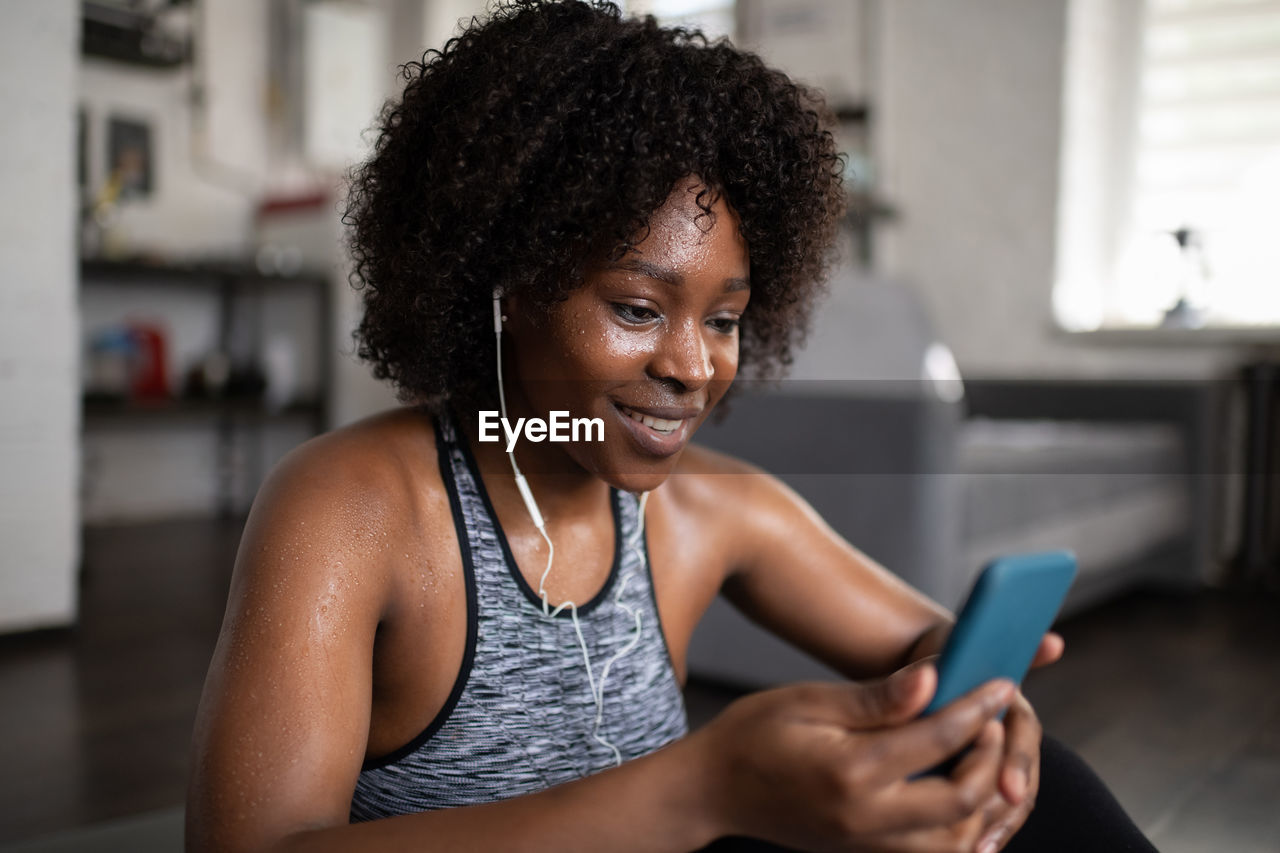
pixel 943 801
pixel 1033 783
pixel 1033 786
pixel 906 692
pixel 996 812
pixel 1022 749
pixel 1003 829
pixel 993 838
pixel 981 772
pixel 958 836
pixel 977 774
pixel 1008 825
pixel 926 741
pixel 1051 648
pixel 890 701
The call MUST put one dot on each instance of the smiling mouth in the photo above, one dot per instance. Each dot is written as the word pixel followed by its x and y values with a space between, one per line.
pixel 660 425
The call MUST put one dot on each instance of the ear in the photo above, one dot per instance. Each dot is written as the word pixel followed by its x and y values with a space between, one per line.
pixel 498 319
pixel 512 307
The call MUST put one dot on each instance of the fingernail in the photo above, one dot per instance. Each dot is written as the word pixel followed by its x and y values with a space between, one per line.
pixel 988 846
pixel 903 687
pixel 1003 694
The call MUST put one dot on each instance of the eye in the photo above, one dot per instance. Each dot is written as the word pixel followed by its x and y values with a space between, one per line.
pixel 725 325
pixel 636 314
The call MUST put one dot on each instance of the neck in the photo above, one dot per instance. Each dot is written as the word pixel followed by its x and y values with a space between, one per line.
pixel 563 489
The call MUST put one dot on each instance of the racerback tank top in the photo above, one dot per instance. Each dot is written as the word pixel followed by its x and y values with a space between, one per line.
pixel 520 716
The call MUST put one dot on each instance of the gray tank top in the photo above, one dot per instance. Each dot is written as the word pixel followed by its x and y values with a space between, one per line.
pixel 520 717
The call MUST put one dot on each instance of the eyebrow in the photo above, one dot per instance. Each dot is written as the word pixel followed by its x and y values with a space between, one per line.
pixel 671 276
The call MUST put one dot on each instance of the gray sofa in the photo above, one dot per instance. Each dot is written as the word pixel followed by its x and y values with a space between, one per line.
pixel 875 429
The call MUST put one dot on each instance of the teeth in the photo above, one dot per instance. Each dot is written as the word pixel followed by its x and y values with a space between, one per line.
pixel 658 424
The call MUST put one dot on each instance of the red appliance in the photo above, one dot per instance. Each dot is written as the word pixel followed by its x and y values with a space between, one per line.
pixel 150 377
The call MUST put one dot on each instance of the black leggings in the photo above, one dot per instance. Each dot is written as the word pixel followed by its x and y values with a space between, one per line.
pixel 1075 811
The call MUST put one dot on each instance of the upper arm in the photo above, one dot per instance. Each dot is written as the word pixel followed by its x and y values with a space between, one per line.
pixel 794 575
pixel 283 721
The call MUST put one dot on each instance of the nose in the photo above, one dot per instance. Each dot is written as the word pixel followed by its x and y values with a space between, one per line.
pixel 682 357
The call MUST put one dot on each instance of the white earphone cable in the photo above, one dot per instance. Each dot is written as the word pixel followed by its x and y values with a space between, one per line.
pixel 597 691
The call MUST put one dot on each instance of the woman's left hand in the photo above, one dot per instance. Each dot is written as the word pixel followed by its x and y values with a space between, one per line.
pixel 1019 779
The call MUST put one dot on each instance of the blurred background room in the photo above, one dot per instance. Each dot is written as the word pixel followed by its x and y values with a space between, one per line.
pixel 1055 323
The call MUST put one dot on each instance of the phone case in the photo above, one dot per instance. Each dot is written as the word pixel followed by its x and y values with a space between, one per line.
pixel 1011 606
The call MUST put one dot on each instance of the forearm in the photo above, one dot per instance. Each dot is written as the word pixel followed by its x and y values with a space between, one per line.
pixel 660 802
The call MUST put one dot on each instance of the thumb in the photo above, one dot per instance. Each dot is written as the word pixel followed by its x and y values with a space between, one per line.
pixel 894 700
pixel 871 705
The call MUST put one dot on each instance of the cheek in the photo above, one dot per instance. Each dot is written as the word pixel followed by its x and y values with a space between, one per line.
pixel 573 333
pixel 725 363
pixel 623 350
pixel 561 348
pixel 582 347
pixel 600 349
pixel 725 360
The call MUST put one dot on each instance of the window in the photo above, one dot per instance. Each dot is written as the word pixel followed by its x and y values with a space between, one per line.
pixel 714 17
pixel 1171 165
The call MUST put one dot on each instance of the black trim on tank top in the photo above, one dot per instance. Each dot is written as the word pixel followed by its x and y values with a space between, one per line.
pixel 473 613
pixel 513 567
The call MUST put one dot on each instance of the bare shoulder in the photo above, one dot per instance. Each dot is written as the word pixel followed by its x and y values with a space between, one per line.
pixel 722 491
pixel 710 479
pixel 352 468
pixel 380 452
pixel 289 689
pixel 362 490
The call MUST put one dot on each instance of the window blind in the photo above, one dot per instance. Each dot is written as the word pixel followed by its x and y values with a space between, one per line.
pixel 714 17
pixel 1207 163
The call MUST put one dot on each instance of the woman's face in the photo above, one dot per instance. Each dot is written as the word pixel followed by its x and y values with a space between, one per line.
pixel 649 343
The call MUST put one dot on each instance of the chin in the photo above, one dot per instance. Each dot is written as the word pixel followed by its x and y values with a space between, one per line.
pixel 636 480
pixel 635 457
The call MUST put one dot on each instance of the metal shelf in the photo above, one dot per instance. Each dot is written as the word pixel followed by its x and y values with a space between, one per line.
pixel 231 280
pixel 203 274
pixel 160 410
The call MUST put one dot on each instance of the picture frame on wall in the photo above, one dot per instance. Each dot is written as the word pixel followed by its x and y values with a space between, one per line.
pixel 130 157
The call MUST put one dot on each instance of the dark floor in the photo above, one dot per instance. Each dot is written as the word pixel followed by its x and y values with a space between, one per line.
pixel 95 722
pixel 1174 699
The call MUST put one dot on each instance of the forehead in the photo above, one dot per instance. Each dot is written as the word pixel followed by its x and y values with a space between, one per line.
pixel 683 235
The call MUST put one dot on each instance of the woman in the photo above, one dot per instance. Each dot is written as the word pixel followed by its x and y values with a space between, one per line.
pixel 440 642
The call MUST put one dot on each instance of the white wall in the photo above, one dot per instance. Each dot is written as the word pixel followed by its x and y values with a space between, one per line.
pixel 440 22
pixel 1100 123
pixel 969 129
pixel 39 416
pixel 822 43
pixel 413 26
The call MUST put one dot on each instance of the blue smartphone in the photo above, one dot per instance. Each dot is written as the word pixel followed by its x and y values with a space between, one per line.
pixel 1011 606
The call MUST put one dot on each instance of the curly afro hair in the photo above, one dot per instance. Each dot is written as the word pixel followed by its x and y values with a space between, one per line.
pixel 544 137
